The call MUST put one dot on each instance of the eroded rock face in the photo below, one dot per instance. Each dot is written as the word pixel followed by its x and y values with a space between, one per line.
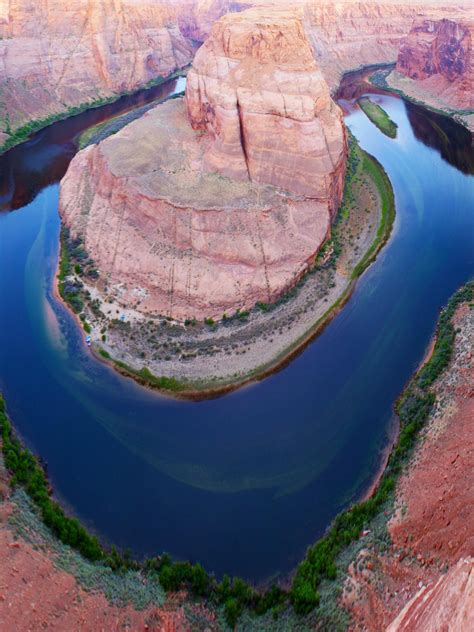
pixel 439 55
pixel 446 605
pixel 256 90
pixel 435 47
pixel 54 55
pixel 200 222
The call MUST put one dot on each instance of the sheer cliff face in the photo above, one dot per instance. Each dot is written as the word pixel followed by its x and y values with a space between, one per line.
pixel 438 55
pixel 435 47
pixel 200 222
pixel 256 91
pixel 56 54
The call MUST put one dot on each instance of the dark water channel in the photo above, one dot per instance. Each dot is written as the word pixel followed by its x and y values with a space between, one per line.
pixel 243 483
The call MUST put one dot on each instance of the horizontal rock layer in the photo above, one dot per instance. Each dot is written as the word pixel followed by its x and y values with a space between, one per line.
pixel 171 238
pixel 439 56
pixel 256 90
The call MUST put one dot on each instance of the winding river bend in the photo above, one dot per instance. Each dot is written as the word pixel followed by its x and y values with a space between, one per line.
pixel 242 483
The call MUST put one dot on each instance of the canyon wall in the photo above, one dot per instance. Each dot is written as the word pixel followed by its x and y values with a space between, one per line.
pixel 256 90
pixel 54 55
pixel 438 56
pixel 346 34
pixel 201 216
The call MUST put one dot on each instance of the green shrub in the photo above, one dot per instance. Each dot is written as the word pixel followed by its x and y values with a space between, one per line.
pixel 413 409
pixel 232 611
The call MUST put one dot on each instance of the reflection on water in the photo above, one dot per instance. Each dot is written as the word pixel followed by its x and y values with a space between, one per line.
pixel 243 483
pixel 28 168
pixel 452 141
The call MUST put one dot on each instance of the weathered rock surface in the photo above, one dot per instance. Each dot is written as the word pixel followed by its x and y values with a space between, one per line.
pixel 447 605
pixel 186 222
pixel 348 34
pixel 439 55
pixel 54 55
pixel 256 90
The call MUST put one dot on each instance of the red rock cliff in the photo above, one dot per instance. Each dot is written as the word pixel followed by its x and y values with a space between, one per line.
pixel 200 222
pixel 439 55
pixel 256 90
pixel 56 54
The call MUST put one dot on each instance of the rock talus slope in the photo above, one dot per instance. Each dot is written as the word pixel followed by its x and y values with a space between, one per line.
pixel 200 222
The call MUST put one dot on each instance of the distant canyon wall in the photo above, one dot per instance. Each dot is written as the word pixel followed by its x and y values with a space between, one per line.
pixel 54 55
pixel 438 56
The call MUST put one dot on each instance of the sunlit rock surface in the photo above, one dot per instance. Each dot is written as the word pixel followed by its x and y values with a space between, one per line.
pixel 200 222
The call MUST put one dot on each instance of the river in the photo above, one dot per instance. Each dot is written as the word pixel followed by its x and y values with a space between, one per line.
pixel 243 483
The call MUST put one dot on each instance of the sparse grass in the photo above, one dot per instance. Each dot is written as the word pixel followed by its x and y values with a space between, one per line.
pixel 378 116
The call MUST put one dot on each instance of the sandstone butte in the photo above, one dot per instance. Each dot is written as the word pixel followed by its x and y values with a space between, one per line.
pixel 439 56
pixel 210 204
pixel 55 55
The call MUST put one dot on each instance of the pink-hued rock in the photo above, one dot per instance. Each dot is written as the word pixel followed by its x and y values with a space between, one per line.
pixel 184 242
pixel 446 605
pixel 257 91
pixel 439 55
pixel 191 230
pixel 56 54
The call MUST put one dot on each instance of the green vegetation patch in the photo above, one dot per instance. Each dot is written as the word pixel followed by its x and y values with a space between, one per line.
pixel 413 408
pixel 387 200
pixel 74 263
pixel 378 116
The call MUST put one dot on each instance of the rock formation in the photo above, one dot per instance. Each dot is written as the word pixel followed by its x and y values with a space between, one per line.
pixel 256 90
pixel 200 222
pixel 54 55
pixel 446 605
pixel 439 55
pixel 435 47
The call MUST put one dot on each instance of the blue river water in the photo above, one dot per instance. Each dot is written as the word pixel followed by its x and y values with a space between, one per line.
pixel 246 482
